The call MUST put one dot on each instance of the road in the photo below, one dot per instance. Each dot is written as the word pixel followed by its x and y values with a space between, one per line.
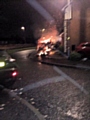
pixel 46 92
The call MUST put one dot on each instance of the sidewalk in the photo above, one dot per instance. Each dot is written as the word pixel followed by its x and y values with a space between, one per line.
pixel 62 61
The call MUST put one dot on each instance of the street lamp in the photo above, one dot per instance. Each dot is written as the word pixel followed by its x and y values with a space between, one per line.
pixel 67 18
pixel 23 29
pixel 43 29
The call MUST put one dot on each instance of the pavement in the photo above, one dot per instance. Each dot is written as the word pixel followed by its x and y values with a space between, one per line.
pixel 60 59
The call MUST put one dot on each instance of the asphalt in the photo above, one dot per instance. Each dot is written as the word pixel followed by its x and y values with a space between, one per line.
pixel 57 59
pixel 60 59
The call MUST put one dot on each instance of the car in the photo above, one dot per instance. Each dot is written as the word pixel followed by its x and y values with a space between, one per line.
pixel 84 49
pixel 8 69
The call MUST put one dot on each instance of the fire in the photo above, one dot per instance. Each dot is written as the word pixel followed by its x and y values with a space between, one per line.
pixel 48 41
pixel 44 47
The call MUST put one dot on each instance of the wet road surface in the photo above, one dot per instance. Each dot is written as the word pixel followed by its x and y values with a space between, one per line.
pixel 46 93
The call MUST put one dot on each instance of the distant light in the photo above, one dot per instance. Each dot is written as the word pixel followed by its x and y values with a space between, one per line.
pixel 68 38
pixel 43 30
pixel 23 28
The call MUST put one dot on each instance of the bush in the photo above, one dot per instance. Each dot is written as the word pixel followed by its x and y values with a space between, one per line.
pixel 61 48
pixel 74 56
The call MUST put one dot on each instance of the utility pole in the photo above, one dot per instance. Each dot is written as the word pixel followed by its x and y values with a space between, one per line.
pixel 67 18
pixel 65 36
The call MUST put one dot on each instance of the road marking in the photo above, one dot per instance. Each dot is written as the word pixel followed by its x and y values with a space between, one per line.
pixel 42 83
pixel 70 79
pixel 26 103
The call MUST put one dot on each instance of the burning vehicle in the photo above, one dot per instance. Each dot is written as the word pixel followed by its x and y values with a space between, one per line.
pixel 46 45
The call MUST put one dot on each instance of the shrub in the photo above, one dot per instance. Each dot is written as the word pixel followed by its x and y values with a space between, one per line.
pixel 61 48
pixel 75 56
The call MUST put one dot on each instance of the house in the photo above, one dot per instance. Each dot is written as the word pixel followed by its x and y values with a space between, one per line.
pixel 78 27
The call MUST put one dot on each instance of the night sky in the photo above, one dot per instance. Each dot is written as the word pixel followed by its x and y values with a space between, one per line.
pixel 17 13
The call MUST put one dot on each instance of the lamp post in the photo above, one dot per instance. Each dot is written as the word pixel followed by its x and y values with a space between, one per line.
pixel 67 18
pixel 23 29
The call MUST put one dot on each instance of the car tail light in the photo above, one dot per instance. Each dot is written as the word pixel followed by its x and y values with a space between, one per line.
pixel 14 74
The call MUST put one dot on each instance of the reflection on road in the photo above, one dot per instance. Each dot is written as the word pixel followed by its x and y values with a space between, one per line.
pixel 46 92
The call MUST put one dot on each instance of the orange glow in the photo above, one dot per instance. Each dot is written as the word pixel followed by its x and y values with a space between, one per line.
pixel 46 43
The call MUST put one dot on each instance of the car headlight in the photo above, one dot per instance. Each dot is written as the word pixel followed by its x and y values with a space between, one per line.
pixel 2 64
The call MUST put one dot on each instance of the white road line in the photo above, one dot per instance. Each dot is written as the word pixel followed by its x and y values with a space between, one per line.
pixel 42 83
pixel 26 103
pixel 70 79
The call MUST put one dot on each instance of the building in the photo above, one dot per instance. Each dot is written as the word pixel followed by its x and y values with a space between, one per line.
pixel 78 27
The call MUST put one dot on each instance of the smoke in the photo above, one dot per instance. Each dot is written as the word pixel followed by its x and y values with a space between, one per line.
pixel 49 35
pixel 41 10
pixel 49 41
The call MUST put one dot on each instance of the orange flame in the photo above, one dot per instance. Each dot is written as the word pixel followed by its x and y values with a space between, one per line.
pixel 46 43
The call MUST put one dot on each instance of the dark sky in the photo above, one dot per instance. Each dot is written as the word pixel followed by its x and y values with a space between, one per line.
pixel 17 13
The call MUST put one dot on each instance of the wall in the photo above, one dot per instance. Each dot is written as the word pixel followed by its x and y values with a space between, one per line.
pixel 87 29
pixel 79 28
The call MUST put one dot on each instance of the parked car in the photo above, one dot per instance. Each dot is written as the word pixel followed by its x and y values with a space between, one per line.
pixel 84 49
pixel 8 69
